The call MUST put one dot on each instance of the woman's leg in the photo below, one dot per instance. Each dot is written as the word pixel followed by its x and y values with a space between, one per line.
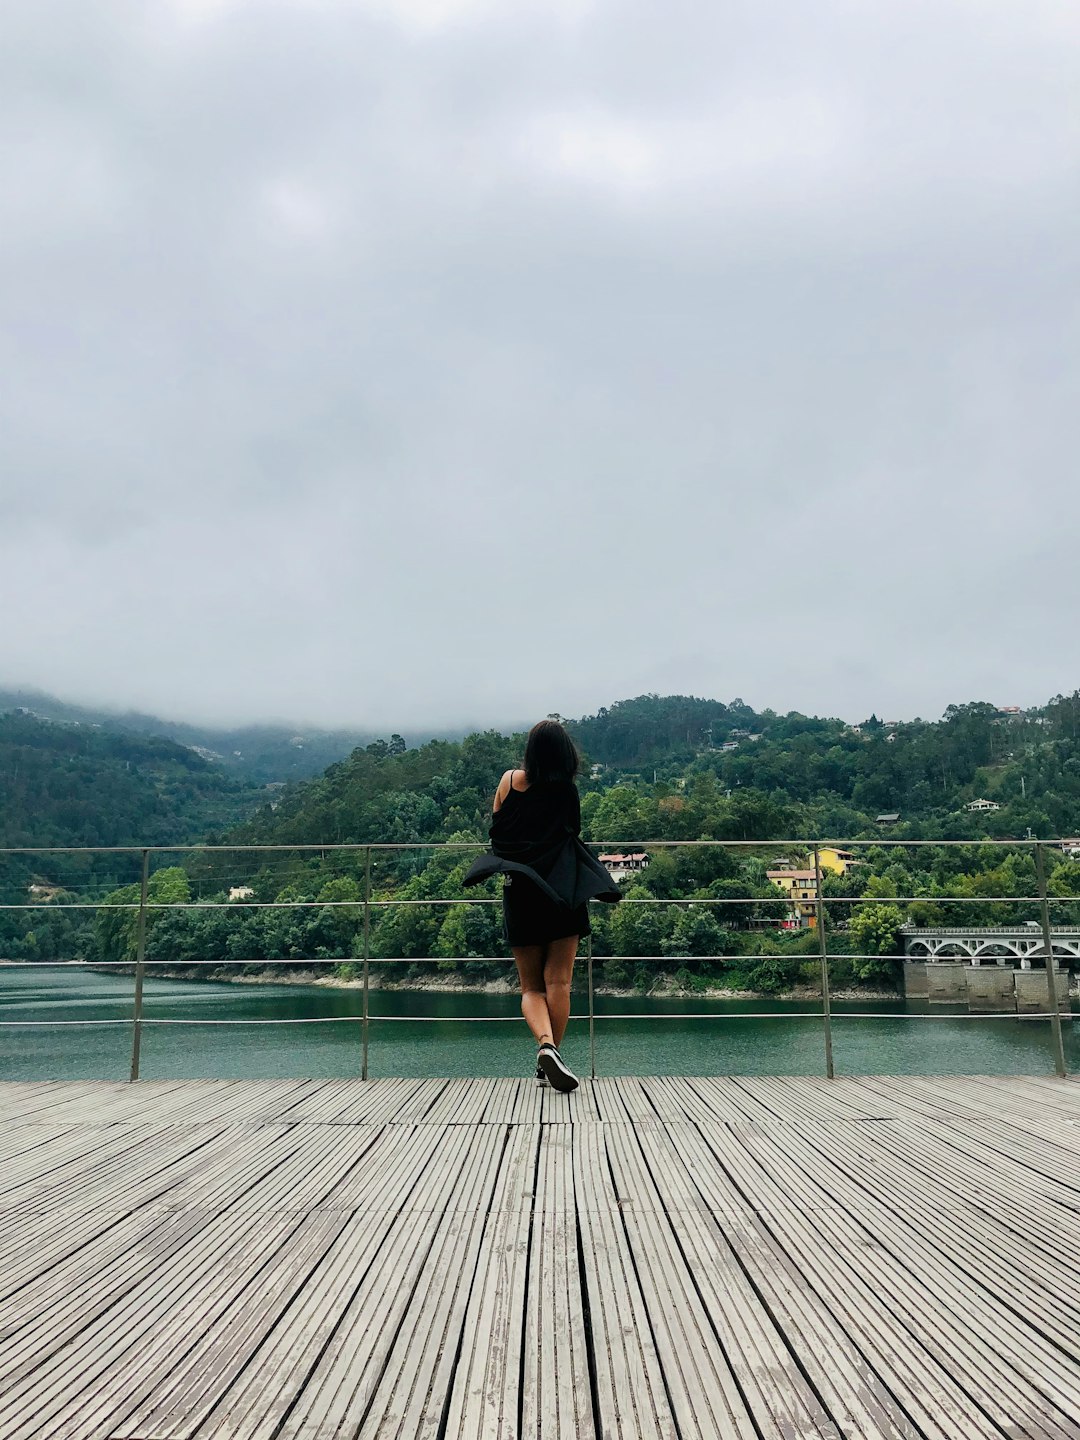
pixel 558 972
pixel 530 966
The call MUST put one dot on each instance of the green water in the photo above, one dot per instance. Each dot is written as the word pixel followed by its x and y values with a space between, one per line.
pixel 450 1044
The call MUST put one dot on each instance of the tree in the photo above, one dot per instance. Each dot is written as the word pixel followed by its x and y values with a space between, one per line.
pixel 695 932
pixel 639 929
pixel 874 931
pixel 116 926
pixel 875 928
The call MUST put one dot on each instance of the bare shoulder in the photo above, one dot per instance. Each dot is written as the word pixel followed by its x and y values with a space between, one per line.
pixel 506 784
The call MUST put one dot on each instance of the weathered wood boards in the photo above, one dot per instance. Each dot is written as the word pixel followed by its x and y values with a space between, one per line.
pixel 751 1258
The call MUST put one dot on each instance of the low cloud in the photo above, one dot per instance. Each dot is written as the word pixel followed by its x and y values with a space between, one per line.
pixel 434 360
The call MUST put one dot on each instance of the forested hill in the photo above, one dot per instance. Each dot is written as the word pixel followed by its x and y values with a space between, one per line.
pixel 653 728
pixel 679 768
pixel 262 753
pixel 67 784
pixel 655 768
pixel 665 767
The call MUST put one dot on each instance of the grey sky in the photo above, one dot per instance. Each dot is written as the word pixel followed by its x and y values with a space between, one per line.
pixel 404 361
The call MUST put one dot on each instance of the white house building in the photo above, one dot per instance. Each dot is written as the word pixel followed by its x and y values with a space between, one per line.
pixel 619 866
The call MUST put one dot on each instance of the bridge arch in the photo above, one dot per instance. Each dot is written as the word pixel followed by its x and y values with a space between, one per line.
pixel 1018 944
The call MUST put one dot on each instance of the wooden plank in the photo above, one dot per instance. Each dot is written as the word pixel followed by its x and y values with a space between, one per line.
pixel 701 1343
pixel 50 1150
pixel 398 1384
pixel 18 1141
pixel 122 1173
pixel 415 1109
pixel 970 1179
pixel 1056 1155
pixel 46 1237
pixel 608 1099
pixel 772 1326
pixel 350 1307
pixel 631 1397
pixel 411 1394
pixel 993 1171
pixel 555 1398
pixel 45 1315
pixel 1016 1273
pixel 78 1101
pixel 1016 1384
pixel 239 1161
pixel 387 1175
pixel 484 1399
pixel 54 1399
pixel 197 1364
pixel 462 1102
pixel 350 1101
pixel 311 1164
pixel 353 1293
pixel 703 1256
pixel 634 1099
pixel 894 1363
pixel 725 1097
pixel 501 1106
pixel 64 1166
pixel 1020 1095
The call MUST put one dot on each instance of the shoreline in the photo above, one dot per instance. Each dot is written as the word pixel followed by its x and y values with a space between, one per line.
pixel 458 984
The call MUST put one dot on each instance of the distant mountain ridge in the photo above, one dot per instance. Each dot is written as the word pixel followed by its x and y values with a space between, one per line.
pixel 261 753
pixel 76 784
pixel 980 769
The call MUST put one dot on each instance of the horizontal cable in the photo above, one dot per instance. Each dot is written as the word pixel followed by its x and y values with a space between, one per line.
pixel 59 1024
pixel 579 1019
pixel 720 1015
pixel 240 906
pixel 807 957
pixel 312 1020
pixel 360 845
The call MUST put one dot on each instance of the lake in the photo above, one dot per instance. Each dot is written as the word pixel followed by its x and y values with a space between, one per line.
pixel 449 1042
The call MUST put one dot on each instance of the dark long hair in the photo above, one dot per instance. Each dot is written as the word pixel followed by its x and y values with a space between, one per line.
pixel 550 754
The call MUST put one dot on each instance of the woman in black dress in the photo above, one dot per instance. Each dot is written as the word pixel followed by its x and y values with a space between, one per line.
pixel 542 933
pixel 550 878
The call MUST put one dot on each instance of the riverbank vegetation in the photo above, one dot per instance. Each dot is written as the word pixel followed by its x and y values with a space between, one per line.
pixel 676 769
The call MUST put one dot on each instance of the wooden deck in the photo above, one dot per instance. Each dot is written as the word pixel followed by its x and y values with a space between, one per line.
pixel 736 1257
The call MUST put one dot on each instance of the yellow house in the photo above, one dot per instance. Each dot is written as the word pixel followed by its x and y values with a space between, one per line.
pixel 839 862
pixel 800 886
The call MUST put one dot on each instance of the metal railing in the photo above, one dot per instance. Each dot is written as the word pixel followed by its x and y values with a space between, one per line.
pixel 145 907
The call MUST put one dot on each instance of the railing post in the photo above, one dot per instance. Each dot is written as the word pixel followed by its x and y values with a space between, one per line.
pixel 592 1011
pixel 367 955
pixel 826 1012
pixel 140 958
pixel 1051 974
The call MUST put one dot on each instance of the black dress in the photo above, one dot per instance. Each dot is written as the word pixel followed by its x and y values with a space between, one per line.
pixel 551 875
pixel 530 917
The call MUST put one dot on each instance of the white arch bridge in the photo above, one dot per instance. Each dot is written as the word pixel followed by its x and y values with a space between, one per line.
pixel 998 945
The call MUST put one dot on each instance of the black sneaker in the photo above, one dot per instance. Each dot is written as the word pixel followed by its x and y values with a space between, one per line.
pixel 541 1078
pixel 556 1069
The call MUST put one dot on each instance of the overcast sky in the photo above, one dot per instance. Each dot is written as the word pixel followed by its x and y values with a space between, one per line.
pixel 398 362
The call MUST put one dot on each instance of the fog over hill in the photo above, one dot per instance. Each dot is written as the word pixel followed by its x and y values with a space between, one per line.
pixel 265 751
